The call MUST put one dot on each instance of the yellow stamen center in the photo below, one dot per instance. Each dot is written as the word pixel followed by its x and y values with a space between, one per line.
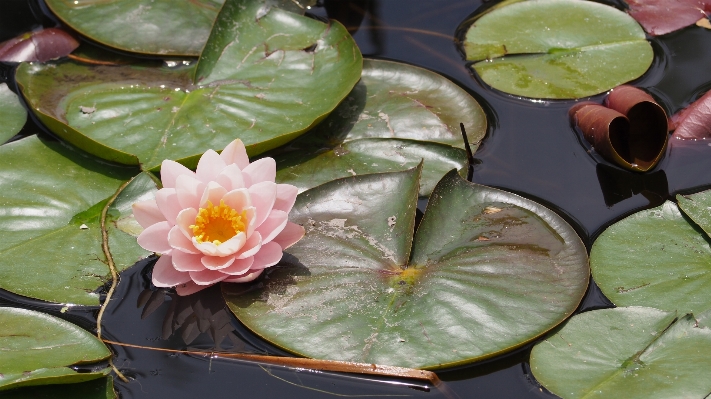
pixel 218 224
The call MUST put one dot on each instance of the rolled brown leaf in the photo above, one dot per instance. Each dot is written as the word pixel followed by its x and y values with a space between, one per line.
pixel 44 45
pixel 630 131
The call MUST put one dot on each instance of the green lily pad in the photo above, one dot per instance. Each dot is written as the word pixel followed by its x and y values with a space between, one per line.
pixel 657 257
pixel 557 48
pixel 51 200
pixel 488 272
pixel 631 352
pixel 37 349
pixel 12 114
pixel 395 117
pixel 102 388
pixel 265 83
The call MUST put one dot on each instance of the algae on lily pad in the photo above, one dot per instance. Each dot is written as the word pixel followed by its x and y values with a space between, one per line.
pixel 557 48
pixel 486 272
pixel 658 257
pixel 396 116
pixel 12 114
pixel 262 78
pixel 51 202
pixel 633 352
pixel 38 349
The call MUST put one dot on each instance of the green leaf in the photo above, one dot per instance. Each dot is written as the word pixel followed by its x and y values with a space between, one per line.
pixel 395 117
pixel 698 208
pixel 12 114
pixel 37 349
pixel 626 353
pixel 102 388
pixel 489 272
pixel 265 83
pixel 150 27
pixel 657 258
pixel 51 200
pixel 557 48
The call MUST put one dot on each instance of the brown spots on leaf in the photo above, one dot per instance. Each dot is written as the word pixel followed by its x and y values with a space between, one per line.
pixel 491 210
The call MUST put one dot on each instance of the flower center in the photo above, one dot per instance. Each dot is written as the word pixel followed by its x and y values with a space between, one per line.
pixel 218 224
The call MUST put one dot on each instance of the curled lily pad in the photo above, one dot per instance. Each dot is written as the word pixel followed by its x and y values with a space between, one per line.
pixel 51 202
pixel 658 257
pixel 633 352
pixel 43 45
pixel 12 114
pixel 395 117
pixel 487 271
pixel 37 349
pixel 557 48
pixel 263 80
pixel 659 17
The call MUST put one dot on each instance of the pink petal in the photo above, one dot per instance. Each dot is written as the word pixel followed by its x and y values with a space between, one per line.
pixel 239 267
pixel 169 172
pixel 230 178
pixel 147 213
pixel 189 191
pixel 217 262
pixel 275 223
pixel 167 200
pixel 263 196
pixel 178 241
pixel 238 199
pixel 258 171
pixel 251 247
pixel 164 275
pixel 251 216
pixel 209 166
pixel 235 153
pixel 269 255
pixel 208 277
pixel 184 220
pixel 213 193
pixel 155 238
pixel 285 198
pixel 244 279
pixel 189 288
pixel 290 235
pixel 228 247
pixel 185 262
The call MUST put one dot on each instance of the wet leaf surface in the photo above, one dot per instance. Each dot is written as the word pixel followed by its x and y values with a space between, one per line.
pixel 12 114
pixel 633 352
pixel 557 48
pixel 43 45
pixel 657 257
pixel 101 388
pixel 396 116
pixel 37 349
pixel 694 122
pixel 50 214
pixel 264 81
pixel 659 17
pixel 488 272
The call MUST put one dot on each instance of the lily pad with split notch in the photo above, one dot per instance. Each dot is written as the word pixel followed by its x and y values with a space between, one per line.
pixel 51 201
pixel 630 130
pixel 396 116
pixel 38 349
pixel 486 272
pixel 260 80
pixel 557 49
pixel 658 257
pixel 632 352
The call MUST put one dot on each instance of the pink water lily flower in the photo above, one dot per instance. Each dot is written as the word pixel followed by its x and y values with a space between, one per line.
pixel 226 221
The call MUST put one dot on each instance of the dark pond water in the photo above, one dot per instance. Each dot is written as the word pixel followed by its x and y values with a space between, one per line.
pixel 530 149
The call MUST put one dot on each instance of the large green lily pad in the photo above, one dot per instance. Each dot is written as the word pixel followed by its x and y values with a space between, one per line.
pixel 102 388
pixel 12 114
pixel 37 349
pixel 263 80
pixel 557 48
pixel 395 117
pixel 631 352
pixel 51 200
pixel 488 272
pixel 657 257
